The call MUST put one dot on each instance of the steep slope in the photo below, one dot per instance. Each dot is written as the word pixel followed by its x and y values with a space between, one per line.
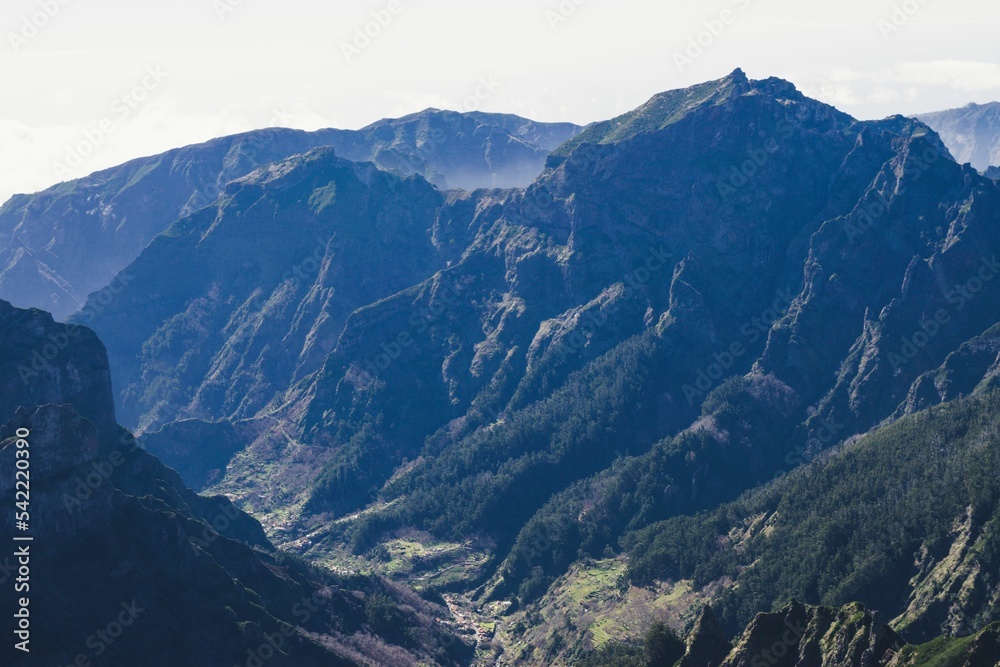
pixel 60 245
pixel 904 520
pixel 806 636
pixel 244 321
pixel 688 301
pixel 127 566
pixel 744 280
pixel 972 133
pixel 980 650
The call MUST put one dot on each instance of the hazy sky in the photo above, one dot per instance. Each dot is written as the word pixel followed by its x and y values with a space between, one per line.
pixel 91 83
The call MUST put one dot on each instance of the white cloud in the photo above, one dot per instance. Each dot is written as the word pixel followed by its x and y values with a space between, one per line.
pixel 957 74
pixel 280 64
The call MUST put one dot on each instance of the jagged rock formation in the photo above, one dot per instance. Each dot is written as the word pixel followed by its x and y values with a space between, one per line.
pixel 516 343
pixel 904 520
pixel 801 636
pixel 706 644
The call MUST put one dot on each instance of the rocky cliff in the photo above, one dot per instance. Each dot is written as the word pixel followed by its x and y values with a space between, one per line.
pixel 128 566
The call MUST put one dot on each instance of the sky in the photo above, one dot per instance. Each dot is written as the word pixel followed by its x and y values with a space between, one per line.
pixel 88 84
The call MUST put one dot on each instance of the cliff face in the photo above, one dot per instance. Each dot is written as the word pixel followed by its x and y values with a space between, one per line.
pixel 799 636
pixel 43 362
pixel 516 343
pixel 804 636
pixel 128 566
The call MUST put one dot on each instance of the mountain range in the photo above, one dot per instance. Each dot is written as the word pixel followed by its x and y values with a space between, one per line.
pixel 733 349
pixel 60 245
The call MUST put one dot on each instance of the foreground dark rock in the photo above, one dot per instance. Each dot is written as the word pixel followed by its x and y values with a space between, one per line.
pixel 129 567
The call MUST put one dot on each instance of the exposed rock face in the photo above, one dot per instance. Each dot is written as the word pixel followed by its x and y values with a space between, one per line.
pixel 42 362
pixel 59 246
pixel 128 566
pixel 972 133
pixel 735 227
pixel 247 320
pixel 707 645
pixel 803 636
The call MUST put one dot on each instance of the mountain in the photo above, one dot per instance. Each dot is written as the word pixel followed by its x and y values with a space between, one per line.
pixel 484 393
pixel 992 172
pixel 60 245
pixel 972 133
pixel 896 520
pixel 484 352
pixel 127 566
pixel 458 150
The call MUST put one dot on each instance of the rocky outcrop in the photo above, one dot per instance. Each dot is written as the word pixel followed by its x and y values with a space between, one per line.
pixel 803 636
pixel 706 644
pixel 43 362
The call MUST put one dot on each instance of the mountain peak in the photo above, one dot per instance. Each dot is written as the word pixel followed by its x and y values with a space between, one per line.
pixel 673 106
